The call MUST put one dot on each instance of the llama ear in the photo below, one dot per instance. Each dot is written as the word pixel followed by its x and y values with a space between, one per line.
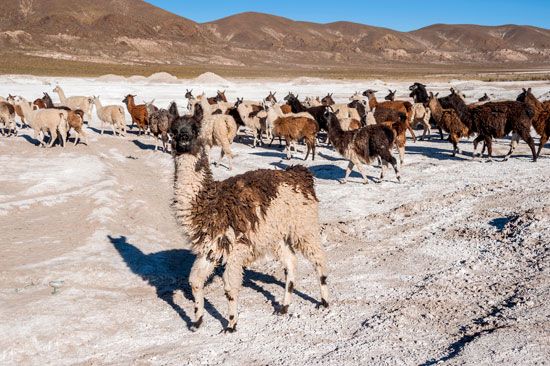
pixel 529 90
pixel 436 95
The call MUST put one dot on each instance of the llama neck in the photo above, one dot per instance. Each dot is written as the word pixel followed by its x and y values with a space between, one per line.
pixel 335 131
pixel 534 103
pixel 373 103
pixel 61 94
pixel 28 112
pixel 192 176
pixel 436 109
pixel 205 106
pixel 97 103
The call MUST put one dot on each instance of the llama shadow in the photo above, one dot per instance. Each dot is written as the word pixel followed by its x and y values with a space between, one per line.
pixel 436 153
pixel 270 154
pixel 30 139
pixel 168 271
pixel 325 172
pixel 106 131
pixel 143 146
pixel 331 158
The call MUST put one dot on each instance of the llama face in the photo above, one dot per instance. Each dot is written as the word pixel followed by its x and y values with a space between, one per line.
pixel 327 100
pixel 184 138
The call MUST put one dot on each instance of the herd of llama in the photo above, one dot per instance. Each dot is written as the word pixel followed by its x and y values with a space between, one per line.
pixel 236 221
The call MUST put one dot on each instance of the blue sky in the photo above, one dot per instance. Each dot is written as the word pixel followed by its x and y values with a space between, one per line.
pixel 402 15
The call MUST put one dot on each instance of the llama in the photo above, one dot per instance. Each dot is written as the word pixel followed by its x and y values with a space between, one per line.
pixel 217 129
pixel 112 115
pixel 160 122
pixel 293 128
pixel 398 106
pixel 78 102
pixel 139 113
pixel 362 145
pixel 18 110
pixel 7 118
pixel 242 219
pixel 344 111
pixel 254 118
pixel 75 119
pixel 498 119
pixel 541 118
pixel 41 121
pixel 399 129
pixel 391 96
pixel 421 114
pixel 449 121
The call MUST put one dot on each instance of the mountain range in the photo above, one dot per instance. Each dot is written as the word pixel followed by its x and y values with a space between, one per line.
pixel 136 32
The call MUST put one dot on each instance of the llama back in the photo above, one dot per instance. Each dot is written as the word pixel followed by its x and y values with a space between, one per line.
pixel 249 209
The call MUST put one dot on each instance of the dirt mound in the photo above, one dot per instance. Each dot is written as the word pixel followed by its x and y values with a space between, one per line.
pixel 162 77
pixel 211 78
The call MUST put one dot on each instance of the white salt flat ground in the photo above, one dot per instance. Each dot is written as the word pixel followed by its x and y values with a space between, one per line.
pixel 450 266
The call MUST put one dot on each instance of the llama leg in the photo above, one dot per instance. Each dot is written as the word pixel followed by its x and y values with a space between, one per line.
pixel 489 143
pixel 349 169
pixel 402 155
pixel 542 142
pixel 312 251
pixel 387 158
pixel 202 268
pixel 361 169
pixel 409 127
pixel 383 170
pixel 477 140
pixel 526 136
pixel 440 132
pixel 53 137
pixel 289 261
pixel 513 144
pixel 232 281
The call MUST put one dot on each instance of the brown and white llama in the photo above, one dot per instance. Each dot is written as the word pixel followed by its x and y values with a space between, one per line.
pixel 242 219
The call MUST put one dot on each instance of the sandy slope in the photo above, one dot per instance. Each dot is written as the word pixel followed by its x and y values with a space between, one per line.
pixel 451 265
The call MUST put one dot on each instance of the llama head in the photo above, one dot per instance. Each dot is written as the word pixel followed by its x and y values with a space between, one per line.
pixel 369 93
pixel 128 98
pixel 328 100
pixel 484 98
pixel 419 93
pixel 289 96
pixel 57 89
pixel 189 94
pixel 173 109
pixel 525 95
pixel 185 138
pixel 391 95
pixel 271 97
pixel 238 102
pixel 220 96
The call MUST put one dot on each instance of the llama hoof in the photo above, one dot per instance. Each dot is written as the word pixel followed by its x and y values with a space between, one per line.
pixel 342 181
pixel 232 329
pixel 323 304
pixel 196 325
pixel 283 310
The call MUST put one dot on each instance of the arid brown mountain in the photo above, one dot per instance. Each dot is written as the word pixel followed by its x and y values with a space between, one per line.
pixel 135 32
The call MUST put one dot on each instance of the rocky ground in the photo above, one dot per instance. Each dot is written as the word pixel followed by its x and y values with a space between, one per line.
pixel 449 267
